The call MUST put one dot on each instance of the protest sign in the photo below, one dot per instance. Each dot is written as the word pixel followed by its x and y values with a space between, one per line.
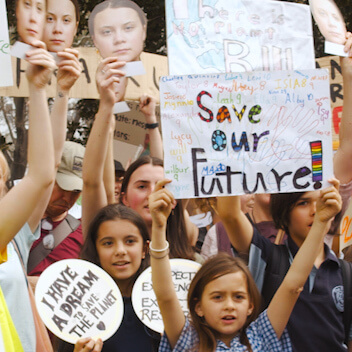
pixel 85 87
pixel 237 36
pixel 336 92
pixel 76 298
pixel 143 297
pixel 237 133
pixel 5 58
pixel 346 229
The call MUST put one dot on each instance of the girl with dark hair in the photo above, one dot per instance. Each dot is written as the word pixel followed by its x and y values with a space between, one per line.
pixel 117 241
pixel 223 299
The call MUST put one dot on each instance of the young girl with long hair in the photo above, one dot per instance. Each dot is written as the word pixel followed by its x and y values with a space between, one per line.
pixel 117 242
pixel 222 298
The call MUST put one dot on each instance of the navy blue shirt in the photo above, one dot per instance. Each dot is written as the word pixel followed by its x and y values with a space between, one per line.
pixel 316 322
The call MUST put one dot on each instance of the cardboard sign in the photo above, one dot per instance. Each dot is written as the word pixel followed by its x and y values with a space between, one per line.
pixel 5 58
pixel 85 87
pixel 76 298
pixel 143 297
pixel 238 36
pixel 238 133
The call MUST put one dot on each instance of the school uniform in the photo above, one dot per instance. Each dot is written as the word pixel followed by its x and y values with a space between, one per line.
pixel 316 322
pixel 260 333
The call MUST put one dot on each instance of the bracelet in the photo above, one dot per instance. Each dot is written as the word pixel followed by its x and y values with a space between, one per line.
pixel 158 250
pixel 157 257
pixel 151 126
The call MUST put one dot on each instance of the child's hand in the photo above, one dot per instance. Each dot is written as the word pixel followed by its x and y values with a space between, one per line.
pixel 87 344
pixel 69 69
pixel 41 65
pixel 161 202
pixel 329 203
pixel 348 44
pixel 107 74
pixel 147 105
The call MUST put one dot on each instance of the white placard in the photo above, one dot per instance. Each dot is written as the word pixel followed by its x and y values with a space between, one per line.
pixel 239 133
pixel 143 297
pixel 76 298
pixel 238 36
pixel 5 57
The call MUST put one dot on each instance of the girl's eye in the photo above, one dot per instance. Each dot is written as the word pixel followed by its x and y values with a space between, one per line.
pixel 130 241
pixel 239 297
pixel 107 243
pixel 67 20
pixel 50 19
pixel 106 32
pixel 302 203
pixel 321 12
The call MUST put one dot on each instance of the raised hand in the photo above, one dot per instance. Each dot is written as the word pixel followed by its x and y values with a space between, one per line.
pixel 329 202
pixel 41 65
pixel 161 203
pixel 69 69
pixel 147 105
pixel 108 77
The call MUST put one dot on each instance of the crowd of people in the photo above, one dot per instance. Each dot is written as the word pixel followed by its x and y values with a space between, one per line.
pixel 269 278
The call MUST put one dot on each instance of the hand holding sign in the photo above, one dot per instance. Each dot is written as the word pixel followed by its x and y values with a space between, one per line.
pixel 76 298
pixel 87 344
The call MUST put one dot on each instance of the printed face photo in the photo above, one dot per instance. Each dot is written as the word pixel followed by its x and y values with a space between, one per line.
pixel 119 32
pixel 329 20
pixel 61 25
pixel 30 15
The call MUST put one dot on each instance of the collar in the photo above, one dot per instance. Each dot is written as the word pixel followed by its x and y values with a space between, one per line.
pixel 293 249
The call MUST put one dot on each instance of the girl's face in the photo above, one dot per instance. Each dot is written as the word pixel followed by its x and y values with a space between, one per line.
pixel 302 216
pixel 329 20
pixel 61 25
pixel 30 16
pixel 119 33
pixel 120 249
pixel 140 185
pixel 225 305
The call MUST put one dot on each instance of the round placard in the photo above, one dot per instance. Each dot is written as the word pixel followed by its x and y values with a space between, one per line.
pixel 76 298
pixel 143 297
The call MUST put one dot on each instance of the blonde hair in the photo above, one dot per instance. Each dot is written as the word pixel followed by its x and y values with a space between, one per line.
pixel 4 174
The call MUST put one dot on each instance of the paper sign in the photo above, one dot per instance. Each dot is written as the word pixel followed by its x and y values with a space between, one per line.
pixel 346 229
pixel 238 36
pixel 134 68
pixel 143 297
pixel 335 49
pixel 5 58
pixel 76 298
pixel 19 50
pixel 121 107
pixel 239 133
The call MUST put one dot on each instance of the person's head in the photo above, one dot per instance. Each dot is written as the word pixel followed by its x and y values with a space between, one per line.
pixel 30 15
pixel 117 241
pixel 119 175
pixel 61 24
pixel 294 213
pixel 329 20
pixel 69 183
pixel 4 174
pixel 118 28
pixel 139 181
pixel 223 288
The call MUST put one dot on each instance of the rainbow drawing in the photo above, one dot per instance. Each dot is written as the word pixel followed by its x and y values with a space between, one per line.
pixel 317 163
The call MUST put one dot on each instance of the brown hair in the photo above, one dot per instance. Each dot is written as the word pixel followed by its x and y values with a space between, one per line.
pixel 215 267
pixel 176 228
pixel 108 213
pixel 114 4
pixel 281 205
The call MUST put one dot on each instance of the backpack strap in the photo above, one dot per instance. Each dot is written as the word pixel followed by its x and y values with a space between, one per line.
pixel 346 270
pixel 275 272
pixel 65 228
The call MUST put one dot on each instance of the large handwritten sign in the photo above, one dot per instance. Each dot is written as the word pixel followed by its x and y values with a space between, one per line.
pixel 143 297
pixel 76 298
pixel 237 36
pixel 5 58
pixel 239 133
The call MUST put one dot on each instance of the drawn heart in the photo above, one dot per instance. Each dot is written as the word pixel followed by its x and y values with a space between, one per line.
pixel 101 326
